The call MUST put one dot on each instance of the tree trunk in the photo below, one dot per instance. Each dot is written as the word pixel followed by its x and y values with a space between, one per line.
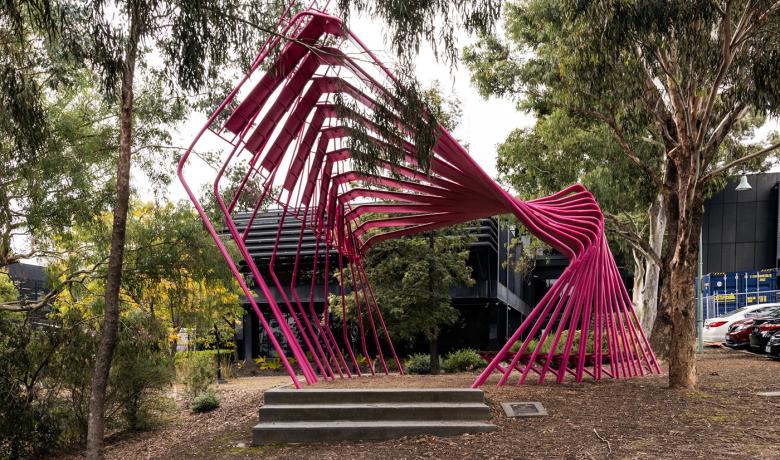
pixel 648 305
pixel 638 290
pixel 685 247
pixel 434 350
pixel 662 328
pixel 682 346
pixel 108 337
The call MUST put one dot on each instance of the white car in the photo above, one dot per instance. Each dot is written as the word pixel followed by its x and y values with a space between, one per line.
pixel 715 328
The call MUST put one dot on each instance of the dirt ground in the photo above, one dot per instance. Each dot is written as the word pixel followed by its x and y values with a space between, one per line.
pixel 632 418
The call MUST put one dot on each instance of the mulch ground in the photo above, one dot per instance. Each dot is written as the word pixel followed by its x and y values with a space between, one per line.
pixel 632 418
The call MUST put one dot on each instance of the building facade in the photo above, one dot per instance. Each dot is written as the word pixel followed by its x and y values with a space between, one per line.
pixel 740 229
pixel 490 310
pixel 30 280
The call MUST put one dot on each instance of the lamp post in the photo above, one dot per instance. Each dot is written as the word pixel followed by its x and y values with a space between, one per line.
pixel 743 185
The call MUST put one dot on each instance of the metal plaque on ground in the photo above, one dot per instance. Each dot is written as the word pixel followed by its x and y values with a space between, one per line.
pixel 523 409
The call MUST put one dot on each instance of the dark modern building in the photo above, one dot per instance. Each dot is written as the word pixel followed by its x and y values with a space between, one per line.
pixel 489 310
pixel 740 229
pixel 30 280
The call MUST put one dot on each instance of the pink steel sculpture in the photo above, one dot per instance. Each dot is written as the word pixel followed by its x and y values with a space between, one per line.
pixel 288 131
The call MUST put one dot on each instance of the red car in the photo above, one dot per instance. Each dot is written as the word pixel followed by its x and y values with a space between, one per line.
pixel 738 335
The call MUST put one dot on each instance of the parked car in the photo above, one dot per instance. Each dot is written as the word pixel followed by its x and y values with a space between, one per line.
pixel 715 329
pixel 762 330
pixel 738 335
pixel 773 347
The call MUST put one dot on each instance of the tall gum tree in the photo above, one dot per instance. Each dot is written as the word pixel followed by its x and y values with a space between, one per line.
pixel 561 149
pixel 687 76
pixel 115 39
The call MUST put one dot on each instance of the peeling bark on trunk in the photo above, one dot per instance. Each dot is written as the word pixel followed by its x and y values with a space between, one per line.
pixel 682 346
pixel 645 294
pixel 662 328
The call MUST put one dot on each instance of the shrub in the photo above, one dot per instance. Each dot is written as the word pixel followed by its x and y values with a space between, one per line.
pixel 141 369
pixel 391 364
pixel 205 402
pixel 419 363
pixel 361 360
pixel 463 360
pixel 199 374
pixel 575 344
pixel 46 370
pixel 29 428
pixel 268 364
pixel 226 361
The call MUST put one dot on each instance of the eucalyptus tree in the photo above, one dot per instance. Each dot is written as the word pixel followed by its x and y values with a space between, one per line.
pixel 685 76
pixel 193 41
pixel 56 143
pixel 561 149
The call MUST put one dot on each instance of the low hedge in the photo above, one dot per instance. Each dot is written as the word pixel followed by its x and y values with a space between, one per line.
pixel 463 361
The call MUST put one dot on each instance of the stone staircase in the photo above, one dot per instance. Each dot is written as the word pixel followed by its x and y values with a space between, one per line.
pixel 322 415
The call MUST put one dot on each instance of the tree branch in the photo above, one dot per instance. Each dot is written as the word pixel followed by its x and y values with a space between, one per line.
pixel 738 162
pixel 632 238
pixel 75 277
pixel 727 57
pixel 722 130
pixel 629 152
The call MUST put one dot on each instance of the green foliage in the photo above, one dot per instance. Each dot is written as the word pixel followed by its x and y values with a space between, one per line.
pixel 268 364
pixel 141 369
pixel 436 22
pixel 419 363
pixel 171 268
pixel 199 374
pixel 182 359
pixel 206 401
pixel 61 179
pixel 562 342
pixel 411 277
pixel 8 291
pixel 27 421
pixel 392 366
pixel 46 369
pixel 462 360
pixel 632 99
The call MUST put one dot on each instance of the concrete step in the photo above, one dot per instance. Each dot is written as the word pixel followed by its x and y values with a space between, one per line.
pixel 335 431
pixel 374 412
pixel 374 395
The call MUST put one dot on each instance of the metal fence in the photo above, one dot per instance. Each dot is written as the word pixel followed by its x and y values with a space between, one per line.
pixel 722 304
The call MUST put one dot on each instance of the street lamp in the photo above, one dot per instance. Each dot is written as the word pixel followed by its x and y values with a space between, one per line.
pixel 219 361
pixel 743 184
pixel 741 187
